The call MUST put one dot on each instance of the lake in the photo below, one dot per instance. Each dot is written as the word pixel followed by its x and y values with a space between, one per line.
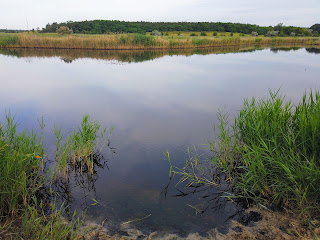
pixel 156 101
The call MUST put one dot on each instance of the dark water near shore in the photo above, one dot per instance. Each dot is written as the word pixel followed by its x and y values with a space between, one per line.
pixel 156 101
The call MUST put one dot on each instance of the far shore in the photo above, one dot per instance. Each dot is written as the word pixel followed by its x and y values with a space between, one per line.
pixel 140 42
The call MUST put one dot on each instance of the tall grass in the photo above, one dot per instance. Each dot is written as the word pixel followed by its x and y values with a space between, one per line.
pixel 270 154
pixel 26 190
pixel 80 147
pixel 21 167
pixel 138 41
pixel 277 145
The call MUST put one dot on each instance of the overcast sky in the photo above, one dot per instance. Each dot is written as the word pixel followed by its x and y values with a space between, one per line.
pixel 23 14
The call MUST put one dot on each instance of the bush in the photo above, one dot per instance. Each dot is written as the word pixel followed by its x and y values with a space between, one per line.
pixel 272 33
pixel 155 33
pixel 64 30
pixel 254 34
pixel 193 34
pixel 292 34
pixel 215 34
pixel 203 34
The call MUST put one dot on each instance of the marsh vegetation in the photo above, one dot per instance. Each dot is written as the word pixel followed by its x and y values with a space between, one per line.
pixel 139 41
pixel 267 156
pixel 28 180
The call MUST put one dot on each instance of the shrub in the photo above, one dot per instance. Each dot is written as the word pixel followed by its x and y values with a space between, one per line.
pixel 215 34
pixel 292 34
pixel 272 33
pixel 254 34
pixel 203 34
pixel 156 33
pixel 64 30
pixel 193 34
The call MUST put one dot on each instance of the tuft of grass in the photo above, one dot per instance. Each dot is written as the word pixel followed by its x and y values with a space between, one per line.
pixel 80 147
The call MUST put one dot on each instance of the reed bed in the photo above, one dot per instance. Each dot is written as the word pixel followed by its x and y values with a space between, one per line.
pixel 21 167
pixel 138 41
pixel 27 205
pixel 270 155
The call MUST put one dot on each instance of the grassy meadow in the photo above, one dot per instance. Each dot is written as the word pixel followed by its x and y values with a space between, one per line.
pixel 140 42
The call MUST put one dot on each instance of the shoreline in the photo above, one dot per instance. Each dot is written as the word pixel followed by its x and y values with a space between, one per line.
pixel 141 42
pixel 272 225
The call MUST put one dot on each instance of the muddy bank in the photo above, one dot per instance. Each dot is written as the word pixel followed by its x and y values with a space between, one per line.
pixel 271 225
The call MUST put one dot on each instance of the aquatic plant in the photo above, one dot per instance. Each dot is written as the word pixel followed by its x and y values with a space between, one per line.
pixel 26 182
pixel 21 166
pixel 269 155
pixel 80 146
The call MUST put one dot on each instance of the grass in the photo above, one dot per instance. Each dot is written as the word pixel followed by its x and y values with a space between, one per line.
pixel 138 41
pixel 269 155
pixel 80 147
pixel 27 208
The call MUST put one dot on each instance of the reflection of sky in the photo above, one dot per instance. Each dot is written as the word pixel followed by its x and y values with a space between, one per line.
pixel 169 103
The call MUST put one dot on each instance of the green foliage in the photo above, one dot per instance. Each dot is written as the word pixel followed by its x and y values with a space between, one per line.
pixel 80 146
pixel 108 26
pixel 21 167
pixel 143 40
pixel 270 154
pixel 37 225
pixel 192 35
pixel 8 40
pixel 25 181
pixel 203 34
pixel 215 34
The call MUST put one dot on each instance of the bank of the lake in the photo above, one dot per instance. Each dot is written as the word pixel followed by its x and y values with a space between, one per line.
pixel 139 41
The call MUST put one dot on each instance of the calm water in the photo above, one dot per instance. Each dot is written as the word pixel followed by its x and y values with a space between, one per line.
pixel 156 101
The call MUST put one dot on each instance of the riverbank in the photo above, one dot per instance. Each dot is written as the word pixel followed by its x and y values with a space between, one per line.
pixel 256 223
pixel 140 42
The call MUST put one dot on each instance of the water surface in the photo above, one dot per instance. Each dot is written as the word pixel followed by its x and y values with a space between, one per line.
pixel 156 101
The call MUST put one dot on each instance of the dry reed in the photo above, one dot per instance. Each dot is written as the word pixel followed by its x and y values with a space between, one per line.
pixel 142 42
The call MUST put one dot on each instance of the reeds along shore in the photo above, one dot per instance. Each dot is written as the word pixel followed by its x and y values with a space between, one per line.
pixel 138 41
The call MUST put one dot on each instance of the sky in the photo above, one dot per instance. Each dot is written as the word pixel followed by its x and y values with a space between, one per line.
pixel 28 14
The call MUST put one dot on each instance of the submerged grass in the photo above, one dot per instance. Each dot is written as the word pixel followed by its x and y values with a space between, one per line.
pixel 27 210
pixel 270 154
pixel 139 41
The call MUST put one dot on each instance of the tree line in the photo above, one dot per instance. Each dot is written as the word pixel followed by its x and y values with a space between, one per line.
pixel 115 26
